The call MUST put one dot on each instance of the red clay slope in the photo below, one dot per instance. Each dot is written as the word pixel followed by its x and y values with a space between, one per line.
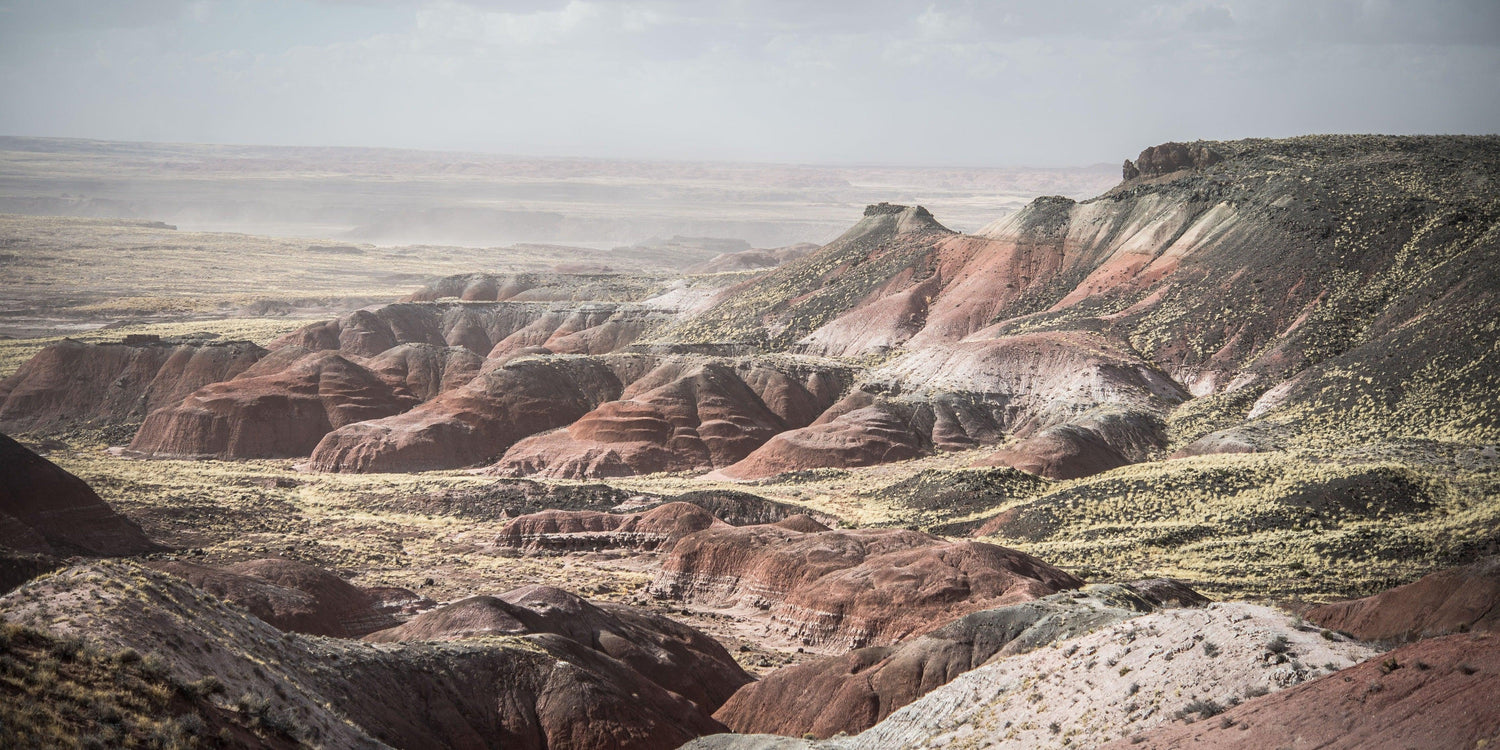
pixel 855 588
pixel 668 653
pixel 47 510
pixel 74 382
pixel 291 595
pixel 1454 600
pixel 1434 694
pixel 685 415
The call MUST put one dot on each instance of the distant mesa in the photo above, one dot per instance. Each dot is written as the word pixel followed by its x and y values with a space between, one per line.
pixel 46 510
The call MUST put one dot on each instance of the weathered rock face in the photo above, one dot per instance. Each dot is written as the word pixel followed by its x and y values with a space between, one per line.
pixel 1449 601
pixel 853 588
pixel 1085 687
pixel 973 393
pixel 853 692
pixel 684 415
pixel 74 382
pixel 671 654
pixel 1100 440
pixel 292 596
pixel 1171 157
pixel 425 370
pixel 475 423
pixel 573 530
pixel 1438 693
pixel 46 510
pixel 533 692
pixel 281 407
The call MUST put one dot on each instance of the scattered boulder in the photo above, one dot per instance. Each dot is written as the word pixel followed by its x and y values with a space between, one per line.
pixel 1448 601
pixel 668 653
pixel 849 588
pixel 45 510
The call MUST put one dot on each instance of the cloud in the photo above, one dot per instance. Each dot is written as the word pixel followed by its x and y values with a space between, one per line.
pixel 908 81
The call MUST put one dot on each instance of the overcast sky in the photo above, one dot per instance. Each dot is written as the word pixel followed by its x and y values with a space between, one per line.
pixel 1041 82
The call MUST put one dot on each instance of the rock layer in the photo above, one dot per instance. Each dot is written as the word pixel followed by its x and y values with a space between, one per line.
pixel 851 693
pixel 850 588
pixel 668 653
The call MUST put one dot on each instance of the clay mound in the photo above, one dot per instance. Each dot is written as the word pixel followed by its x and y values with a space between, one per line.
pixel 271 413
pixel 530 693
pixel 860 430
pixel 753 260
pixel 475 423
pixel 290 595
pixel 1119 680
pixel 853 692
pixel 425 370
pixel 668 653
pixel 1454 600
pixel 852 588
pixel 1439 693
pixel 46 510
pixel 368 332
pixel 682 416
pixel 1101 440
pixel 74 382
pixel 577 530
pixel 584 285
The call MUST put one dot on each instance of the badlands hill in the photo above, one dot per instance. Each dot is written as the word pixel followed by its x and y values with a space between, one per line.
pixel 1226 297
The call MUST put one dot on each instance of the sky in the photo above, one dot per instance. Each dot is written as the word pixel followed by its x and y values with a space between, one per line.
pixel 999 83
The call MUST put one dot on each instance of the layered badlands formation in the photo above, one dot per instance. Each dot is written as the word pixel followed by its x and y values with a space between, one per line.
pixel 295 596
pixel 1263 272
pixel 850 693
pixel 847 589
pixel 46 510
pixel 73 382
pixel 668 653
pixel 1116 682
pixel 540 691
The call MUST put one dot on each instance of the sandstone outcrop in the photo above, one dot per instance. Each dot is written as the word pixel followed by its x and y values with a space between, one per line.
pixel 1448 601
pixel 71 382
pixel 46 510
pixel 530 692
pixel 292 596
pixel 851 693
pixel 668 653
pixel 849 588
pixel 1438 693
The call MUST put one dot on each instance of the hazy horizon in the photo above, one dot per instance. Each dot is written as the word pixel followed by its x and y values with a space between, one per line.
pixel 890 83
